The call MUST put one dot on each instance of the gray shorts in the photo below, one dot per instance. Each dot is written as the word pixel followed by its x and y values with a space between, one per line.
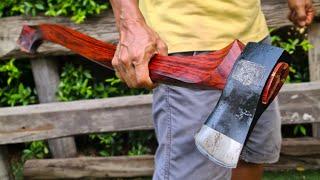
pixel 179 112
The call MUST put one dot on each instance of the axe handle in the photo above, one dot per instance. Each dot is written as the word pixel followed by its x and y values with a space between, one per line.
pixel 210 70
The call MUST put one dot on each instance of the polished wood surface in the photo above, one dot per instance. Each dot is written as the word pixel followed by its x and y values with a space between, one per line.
pixel 210 70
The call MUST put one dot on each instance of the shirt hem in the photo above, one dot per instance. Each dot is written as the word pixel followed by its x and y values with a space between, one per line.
pixel 210 45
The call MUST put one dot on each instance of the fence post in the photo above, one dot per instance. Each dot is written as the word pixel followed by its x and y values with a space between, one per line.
pixel 5 169
pixel 46 77
pixel 314 64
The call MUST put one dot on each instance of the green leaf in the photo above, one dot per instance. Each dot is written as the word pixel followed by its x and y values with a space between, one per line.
pixel 39 6
pixel 28 4
pixel 303 130
pixel 104 153
pixel 296 129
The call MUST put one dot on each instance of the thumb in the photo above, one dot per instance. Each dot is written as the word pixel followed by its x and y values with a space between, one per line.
pixel 301 15
pixel 162 48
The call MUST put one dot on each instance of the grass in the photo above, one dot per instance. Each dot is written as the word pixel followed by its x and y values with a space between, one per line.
pixel 292 175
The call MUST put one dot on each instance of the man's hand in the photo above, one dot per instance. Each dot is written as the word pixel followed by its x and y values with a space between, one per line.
pixel 301 12
pixel 138 43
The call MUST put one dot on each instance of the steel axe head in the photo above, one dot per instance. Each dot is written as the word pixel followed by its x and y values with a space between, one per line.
pixel 253 83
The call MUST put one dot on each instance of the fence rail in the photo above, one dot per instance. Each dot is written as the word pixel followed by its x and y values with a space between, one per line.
pixel 59 119
pixel 126 166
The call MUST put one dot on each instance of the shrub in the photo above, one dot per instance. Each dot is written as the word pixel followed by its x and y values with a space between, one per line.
pixel 77 9
pixel 294 41
pixel 12 91
pixel 78 83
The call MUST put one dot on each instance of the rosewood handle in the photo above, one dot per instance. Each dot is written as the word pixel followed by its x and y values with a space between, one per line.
pixel 210 70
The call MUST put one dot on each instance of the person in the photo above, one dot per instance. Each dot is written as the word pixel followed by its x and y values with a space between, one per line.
pixel 181 27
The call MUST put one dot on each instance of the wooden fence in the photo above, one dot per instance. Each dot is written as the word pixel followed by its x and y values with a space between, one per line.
pixel 58 121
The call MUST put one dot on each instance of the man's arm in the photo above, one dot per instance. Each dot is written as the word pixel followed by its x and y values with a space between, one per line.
pixel 301 12
pixel 137 44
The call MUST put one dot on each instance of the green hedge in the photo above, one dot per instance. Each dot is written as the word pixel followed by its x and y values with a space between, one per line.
pixel 77 9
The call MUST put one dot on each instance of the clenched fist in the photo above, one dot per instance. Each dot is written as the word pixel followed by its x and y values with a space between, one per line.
pixel 138 43
pixel 301 12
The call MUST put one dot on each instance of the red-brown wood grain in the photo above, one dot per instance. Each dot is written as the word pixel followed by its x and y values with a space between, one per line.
pixel 209 70
pixel 275 82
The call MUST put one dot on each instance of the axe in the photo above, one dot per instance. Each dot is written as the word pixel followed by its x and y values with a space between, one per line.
pixel 250 77
pixel 243 100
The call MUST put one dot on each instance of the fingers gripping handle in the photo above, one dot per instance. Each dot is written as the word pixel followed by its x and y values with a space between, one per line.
pixel 210 71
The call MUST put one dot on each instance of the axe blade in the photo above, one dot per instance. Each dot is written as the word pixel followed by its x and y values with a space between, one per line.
pixel 226 130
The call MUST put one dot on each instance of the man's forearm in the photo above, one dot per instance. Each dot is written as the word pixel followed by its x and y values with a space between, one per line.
pixel 138 43
pixel 126 11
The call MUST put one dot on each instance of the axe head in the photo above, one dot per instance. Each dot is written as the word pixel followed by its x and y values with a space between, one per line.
pixel 253 83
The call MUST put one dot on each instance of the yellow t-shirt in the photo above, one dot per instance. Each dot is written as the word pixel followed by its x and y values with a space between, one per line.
pixel 194 25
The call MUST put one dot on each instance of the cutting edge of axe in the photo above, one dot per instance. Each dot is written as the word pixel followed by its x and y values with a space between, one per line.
pixel 218 147
pixel 230 124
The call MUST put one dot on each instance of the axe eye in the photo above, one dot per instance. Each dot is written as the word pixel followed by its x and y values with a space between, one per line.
pixel 275 82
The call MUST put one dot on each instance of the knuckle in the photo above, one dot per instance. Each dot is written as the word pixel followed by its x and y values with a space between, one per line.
pixel 125 61
pixel 151 45
pixel 115 63
pixel 140 60
pixel 122 60
pixel 136 57
pixel 152 39
pixel 163 46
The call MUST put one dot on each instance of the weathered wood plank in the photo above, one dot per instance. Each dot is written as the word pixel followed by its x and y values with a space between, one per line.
pixel 300 146
pixel 63 147
pixel 72 168
pixel 5 170
pixel 299 103
pixel 52 120
pixel 79 117
pixel 314 64
pixel 314 53
pixel 85 167
pixel 46 77
pixel 293 162
pixel 103 27
pixel 316 130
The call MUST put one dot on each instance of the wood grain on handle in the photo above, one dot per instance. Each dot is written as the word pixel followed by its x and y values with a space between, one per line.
pixel 210 70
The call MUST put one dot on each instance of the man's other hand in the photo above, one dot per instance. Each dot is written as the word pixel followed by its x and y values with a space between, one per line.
pixel 137 45
pixel 301 12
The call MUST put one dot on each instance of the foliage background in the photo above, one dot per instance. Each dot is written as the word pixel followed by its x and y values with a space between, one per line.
pixel 77 9
pixel 78 82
